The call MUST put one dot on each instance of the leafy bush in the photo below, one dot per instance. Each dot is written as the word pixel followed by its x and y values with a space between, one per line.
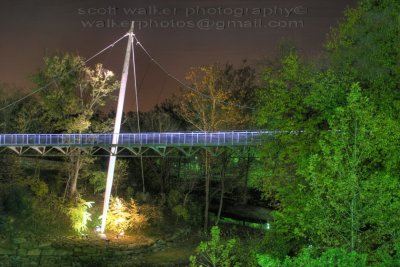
pixel 28 202
pixel 38 187
pixel 152 213
pixel 79 215
pixel 16 200
pixel 186 210
pixel 181 212
pixel 123 215
pixel 98 180
pixel 216 252
pixel 174 198
pixel 382 258
pixel 330 258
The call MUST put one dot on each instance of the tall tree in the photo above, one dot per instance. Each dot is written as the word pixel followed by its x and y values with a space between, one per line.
pixel 351 199
pixel 72 93
pixel 330 188
pixel 365 48
pixel 210 106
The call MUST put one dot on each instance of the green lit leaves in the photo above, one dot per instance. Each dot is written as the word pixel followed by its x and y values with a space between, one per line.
pixel 79 215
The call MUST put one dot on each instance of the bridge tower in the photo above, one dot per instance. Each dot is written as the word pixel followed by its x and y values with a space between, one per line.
pixel 117 125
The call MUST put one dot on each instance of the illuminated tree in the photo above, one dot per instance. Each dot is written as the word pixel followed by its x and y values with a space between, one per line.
pixel 210 106
pixel 124 215
pixel 72 94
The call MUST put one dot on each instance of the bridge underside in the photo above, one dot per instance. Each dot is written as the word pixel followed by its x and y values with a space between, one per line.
pixel 130 144
pixel 148 151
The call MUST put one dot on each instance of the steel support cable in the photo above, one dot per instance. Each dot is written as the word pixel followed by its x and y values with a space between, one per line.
pixel 162 89
pixel 54 80
pixel 145 75
pixel 185 86
pixel 137 108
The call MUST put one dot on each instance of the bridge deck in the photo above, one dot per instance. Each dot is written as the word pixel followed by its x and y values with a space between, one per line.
pixel 171 139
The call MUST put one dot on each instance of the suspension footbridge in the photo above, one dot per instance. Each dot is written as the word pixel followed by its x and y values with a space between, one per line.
pixel 116 143
pixel 134 143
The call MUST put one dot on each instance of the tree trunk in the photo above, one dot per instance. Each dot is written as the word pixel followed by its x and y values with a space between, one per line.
pixel 246 180
pixel 142 173
pixel 162 175
pixel 207 193
pixel 77 166
pixel 221 200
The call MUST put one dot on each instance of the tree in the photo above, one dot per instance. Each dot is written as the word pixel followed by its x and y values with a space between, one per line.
pixel 157 120
pixel 350 195
pixel 354 179
pixel 72 94
pixel 210 106
pixel 283 107
pixel 296 97
pixel 216 252
pixel 364 48
pixel 328 188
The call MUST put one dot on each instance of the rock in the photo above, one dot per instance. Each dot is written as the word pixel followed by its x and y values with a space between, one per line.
pixel 45 245
pixel 34 252
pixel 22 252
pixel 161 242
pixel 85 258
pixel 48 252
pixel 62 252
pixel 19 240
pixel 89 250
pixel 6 251
pixel 27 245
pixel 132 246
pixel 156 249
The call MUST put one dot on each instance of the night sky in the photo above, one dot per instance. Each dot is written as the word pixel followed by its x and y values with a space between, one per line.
pixel 179 34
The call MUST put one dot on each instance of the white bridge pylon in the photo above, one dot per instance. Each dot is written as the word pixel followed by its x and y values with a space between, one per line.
pixel 117 125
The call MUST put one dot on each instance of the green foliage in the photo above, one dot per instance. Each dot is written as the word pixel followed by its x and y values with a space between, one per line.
pixel 120 176
pixel 39 187
pixel 386 258
pixel 183 209
pixel 98 180
pixel 216 252
pixel 27 202
pixel 365 49
pixel 282 107
pixel 353 192
pixel 336 183
pixel 174 198
pixel 348 196
pixel 123 215
pixel 329 258
pixel 16 200
pixel 181 212
pixel 73 91
pixel 79 215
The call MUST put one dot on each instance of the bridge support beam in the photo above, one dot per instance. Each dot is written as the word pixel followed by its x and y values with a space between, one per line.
pixel 117 128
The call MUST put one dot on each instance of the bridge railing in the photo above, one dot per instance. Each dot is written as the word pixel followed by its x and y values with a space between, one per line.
pixel 230 138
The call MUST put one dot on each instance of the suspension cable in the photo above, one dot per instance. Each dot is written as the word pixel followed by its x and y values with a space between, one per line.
pixel 137 107
pixel 186 86
pixel 54 80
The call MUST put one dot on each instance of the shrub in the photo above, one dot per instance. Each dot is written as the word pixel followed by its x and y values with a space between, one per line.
pixel 38 187
pixel 184 209
pixel 330 258
pixel 79 215
pixel 123 215
pixel 98 180
pixel 216 252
